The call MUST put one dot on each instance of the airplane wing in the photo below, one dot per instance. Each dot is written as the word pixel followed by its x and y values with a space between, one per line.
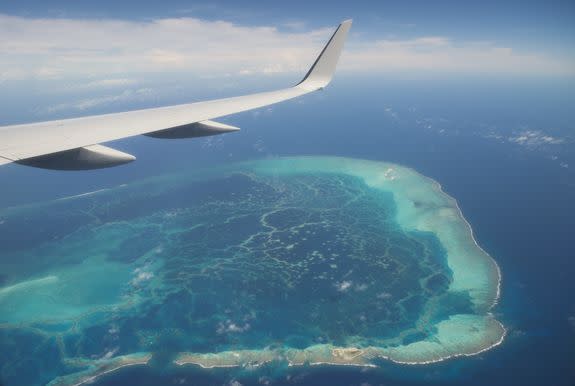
pixel 74 144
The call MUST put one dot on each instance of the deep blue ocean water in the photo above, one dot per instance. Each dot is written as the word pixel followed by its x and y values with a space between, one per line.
pixel 518 197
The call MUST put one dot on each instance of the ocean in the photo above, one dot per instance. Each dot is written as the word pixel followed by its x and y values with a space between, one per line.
pixel 503 148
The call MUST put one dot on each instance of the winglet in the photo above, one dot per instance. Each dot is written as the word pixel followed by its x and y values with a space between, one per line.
pixel 320 74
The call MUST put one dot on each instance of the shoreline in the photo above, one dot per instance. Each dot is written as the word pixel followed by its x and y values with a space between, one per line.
pixel 104 367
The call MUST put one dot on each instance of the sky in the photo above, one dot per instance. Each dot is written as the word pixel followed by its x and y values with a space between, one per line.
pixel 110 42
pixel 62 59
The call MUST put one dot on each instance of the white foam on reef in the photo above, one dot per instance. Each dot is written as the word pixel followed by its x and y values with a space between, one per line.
pixel 82 195
pixel 92 193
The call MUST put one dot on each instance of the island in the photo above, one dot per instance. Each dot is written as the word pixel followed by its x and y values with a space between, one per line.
pixel 297 261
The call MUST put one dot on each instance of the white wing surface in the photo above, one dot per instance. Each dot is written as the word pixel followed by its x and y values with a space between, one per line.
pixel 74 143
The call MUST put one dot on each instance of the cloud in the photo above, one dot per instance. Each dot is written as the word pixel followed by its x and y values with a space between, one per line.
pixel 530 139
pixel 110 353
pixel 344 286
pixel 141 275
pixel 435 53
pixel 89 103
pixel 54 48
pixel 105 83
pixel 57 48
pixel 535 138
pixel 231 327
pixel 384 295
pixel 361 287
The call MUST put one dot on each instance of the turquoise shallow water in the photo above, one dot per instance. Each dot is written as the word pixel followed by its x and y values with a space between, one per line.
pixel 302 260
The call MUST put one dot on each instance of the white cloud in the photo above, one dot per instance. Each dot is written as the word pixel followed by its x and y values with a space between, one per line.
pixel 232 327
pixel 109 354
pixel 535 138
pixel 361 287
pixel 384 295
pixel 51 48
pixel 57 48
pixel 443 54
pixel 343 286
pixel 141 275
pixel 89 103
pixel 106 83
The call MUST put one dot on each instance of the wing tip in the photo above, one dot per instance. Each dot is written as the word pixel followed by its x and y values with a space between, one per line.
pixel 5 161
pixel 323 69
